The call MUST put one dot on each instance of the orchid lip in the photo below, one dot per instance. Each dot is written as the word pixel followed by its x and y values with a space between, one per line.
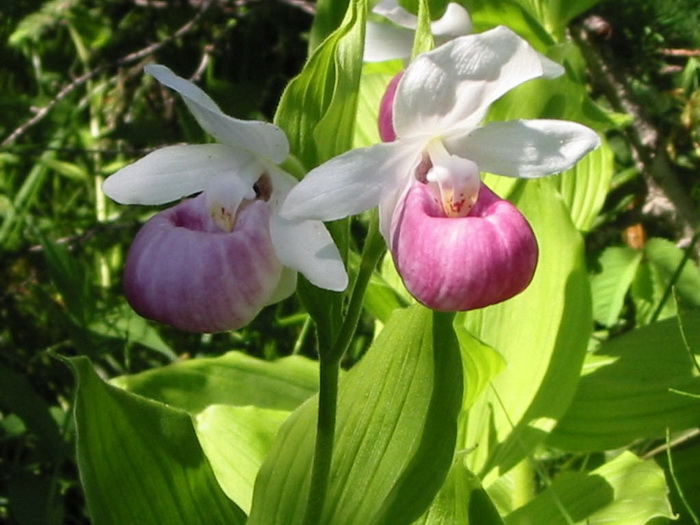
pixel 184 271
pixel 457 264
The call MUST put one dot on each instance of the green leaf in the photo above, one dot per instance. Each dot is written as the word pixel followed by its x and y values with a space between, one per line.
pixel 461 500
pixel 486 14
pixel 667 257
pixel 624 392
pixel 610 286
pixel 686 465
pixel 232 379
pixel 647 291
pixel 18 396
pixel 71 279
pixel 381 297
pixel 317 109
pixel 481 364
pixel 124 324
pixel 67 169
pixel 140 461
pixel 375 78
pixel 236 440
pixel 556 14
pixel 585 186
pixel 542 334
pixel 329 15
pixel 423 39
pixel 396 428
pixel 624 491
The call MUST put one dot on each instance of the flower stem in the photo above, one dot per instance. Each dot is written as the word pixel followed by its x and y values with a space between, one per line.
pixel 329 364
pixel 372 252
pixel 325 434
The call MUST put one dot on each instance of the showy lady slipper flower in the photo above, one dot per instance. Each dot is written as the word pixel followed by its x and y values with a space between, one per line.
pixel 391 41
pixel 456 245
pixel 212 262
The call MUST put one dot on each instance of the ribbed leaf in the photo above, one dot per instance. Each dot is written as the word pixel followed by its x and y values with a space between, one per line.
pixel 396 427
pixel 624 491
pixel 625 393
pixel 232 379
pixel 542 334
pixel 585 186
pixel 317 109
pixel 318 112
pixel 140 461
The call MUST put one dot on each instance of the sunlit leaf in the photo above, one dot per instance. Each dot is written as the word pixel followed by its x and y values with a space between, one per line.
pixel 329 15
pixel 396 427
pixel 232 379
pixel 542 335
pixel 423 37
pixel 585 186
pixel 140 461
pixel 625 394
pixel 481 364
pixel 624 491
pixel 318 112
pixel 235 441
pixel 556 14
pixel 317 109
pixel 375 78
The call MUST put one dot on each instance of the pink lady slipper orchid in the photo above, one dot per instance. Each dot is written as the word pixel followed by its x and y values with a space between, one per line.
pixel 391 41
pixel 211 263
pixel 456 245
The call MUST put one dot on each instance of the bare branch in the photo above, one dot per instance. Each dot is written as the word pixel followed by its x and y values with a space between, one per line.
pixel 666 195
pixel 125 60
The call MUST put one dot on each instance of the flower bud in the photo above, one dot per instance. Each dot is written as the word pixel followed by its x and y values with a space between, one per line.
pixel 461 263
pixel 386 111
pixel 184 270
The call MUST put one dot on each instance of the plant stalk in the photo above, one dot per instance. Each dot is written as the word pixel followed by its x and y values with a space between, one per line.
pixel 329 365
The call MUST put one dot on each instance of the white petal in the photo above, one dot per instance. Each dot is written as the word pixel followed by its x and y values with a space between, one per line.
pixel 455 22
pixel 391 10
pixel 386 42
pixel 285 288
pixel 453 85
pixel 261 138
pixel 350 183
pixel 526 148
pixel 173 172
pixel 223 196
pixel 306 246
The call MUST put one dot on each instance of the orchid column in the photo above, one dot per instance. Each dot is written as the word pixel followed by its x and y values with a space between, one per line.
pixel 457 245
pixel 211 263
